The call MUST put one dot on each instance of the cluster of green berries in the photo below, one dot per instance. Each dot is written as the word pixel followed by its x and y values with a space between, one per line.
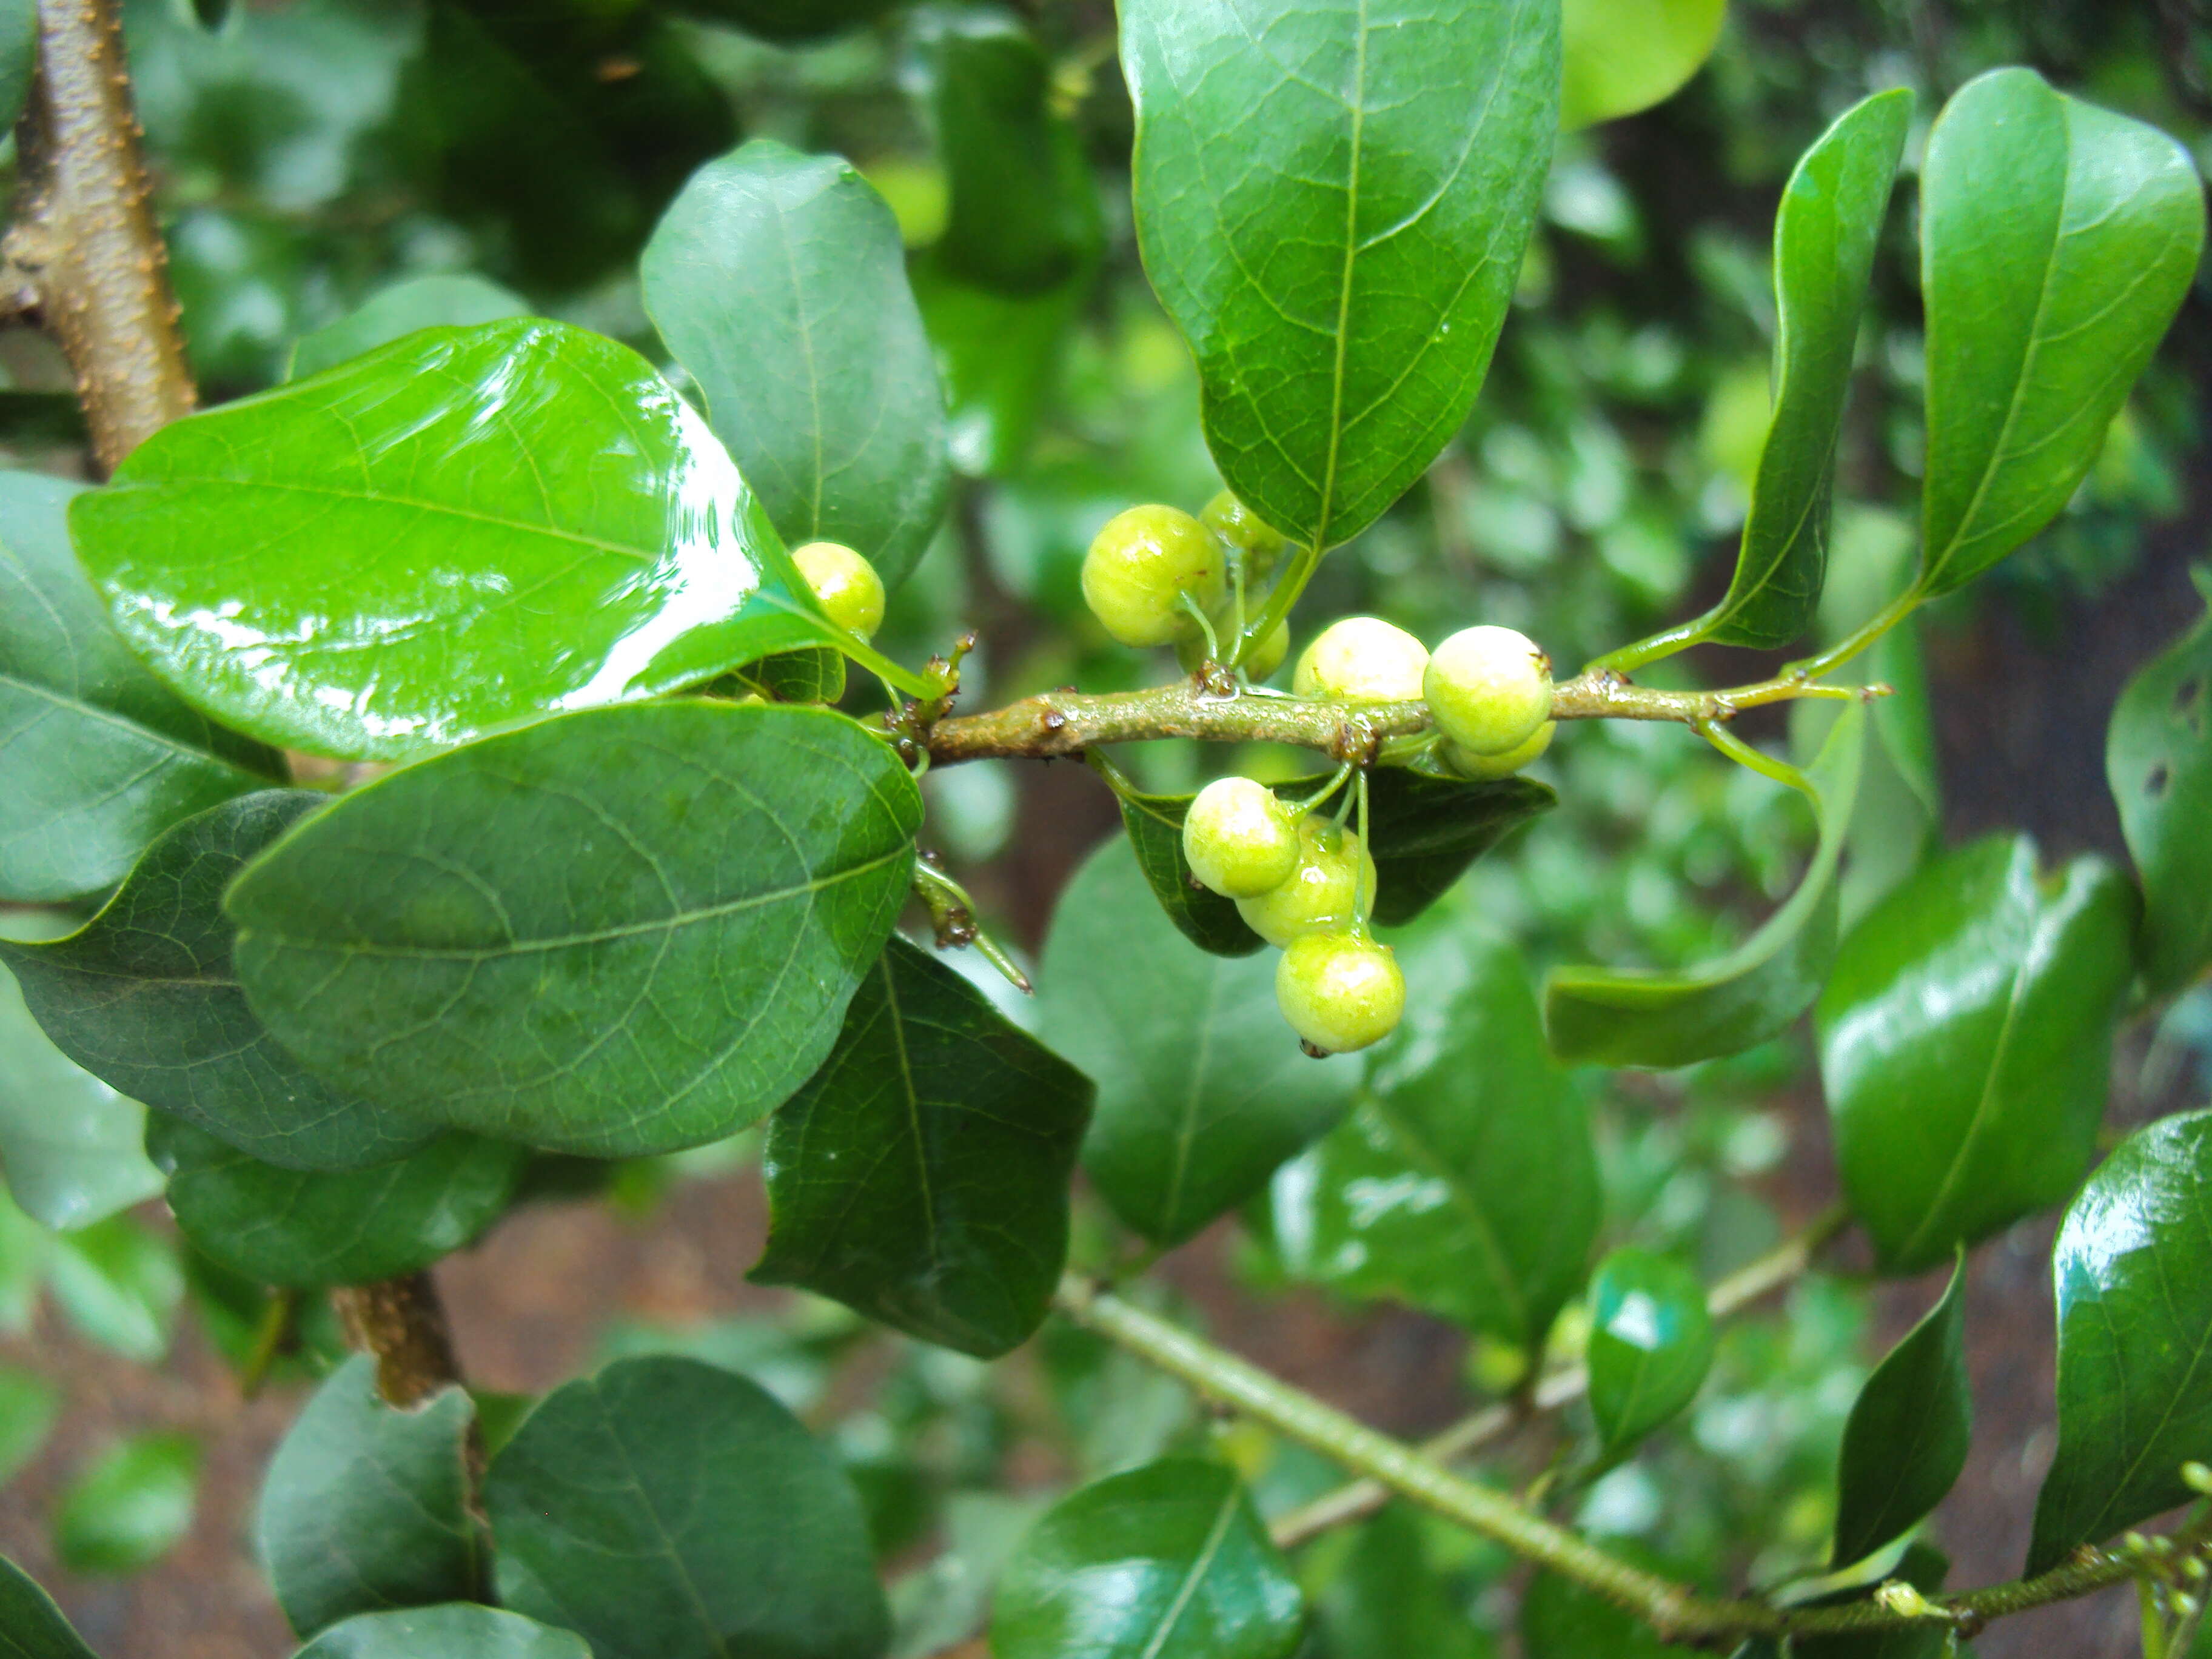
pixel 1156 576
pixel 1488 689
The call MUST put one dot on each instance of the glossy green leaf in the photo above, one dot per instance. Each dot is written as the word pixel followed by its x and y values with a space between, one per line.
pixel 1200 914
pixel 1465 1181
pixel 69 1145
pixel 1824 235
pixel 1342 283
pixel 625 931
pixel 305 1230
pixel 998 356
pixel 119 1285
pixel 450 300
pixel 1756 991
pixel 458 1630
pixel 365 1506
pixel 1621 55
pixel 2057 240
pixel 28 1405
pixel 504 521
pixel 1165 1561
pixel 1905 1441
pixel 1965 1041
pixel 31 1626
pixel 1202 1088
pixel 665 1509
pixel 97 756
pixel 2158 761
pixel 1650 1344
pixel 1388 1602
pixel 921 1176
pixel 144 997
pixel 2132 1270
pixel 130 1506
pixel 779 281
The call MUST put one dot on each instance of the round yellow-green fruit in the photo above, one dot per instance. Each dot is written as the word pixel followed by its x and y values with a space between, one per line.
pixel 1485 767
pixel 1267 655
pixel 1339 991
pixel 1361 659
pixel 1322 894
pixel 1261 543
pixel 846 585
pixel 1140 566
pixel 1238 839
pixel 1489 689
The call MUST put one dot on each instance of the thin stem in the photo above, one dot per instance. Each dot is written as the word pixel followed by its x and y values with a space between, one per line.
pixel 1753 759
pixel 1861 638
pixel 1680 637
pixel 1288 588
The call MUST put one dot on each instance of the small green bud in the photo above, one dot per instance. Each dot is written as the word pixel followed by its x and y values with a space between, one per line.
pixel 1339 991
pixel 1485 767
pixel 1489 689
pixel 1261 543
pixel 1238 839
pixel 1322 894
pixel 1141 565
pixel 1361 659
pixel 845 585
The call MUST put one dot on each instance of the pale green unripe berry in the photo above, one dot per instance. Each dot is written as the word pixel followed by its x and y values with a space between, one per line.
pixel 1238 839
pixel 1322 894
pixel 1267 655
pixel 1361 659
pixel 846 585
pixel 1261 543
pixel 1140 566
pixel 1339 991
pixel 1489 689
pixel 1485 768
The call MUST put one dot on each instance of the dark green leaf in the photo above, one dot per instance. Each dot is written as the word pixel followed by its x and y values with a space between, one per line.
pixel 2057 240
pixel 505 520
pixel 1165 1561
pixel 1650 1344
pixel 459 1630
pixel 97 756
pixel 921 1176
pixel 306 1231
pixel 1754 992
pixel 131 1507
pixel 620 931
pixel 2158 761
pixel 454 299
pixel 665 1509
pixel 1560 1620
pixel 1923 1567
pixel 1202 1088
pixel 28 1405
pixel 1200 914
pixel 144 997
pixel 1905 1441
pixel 778 280
pixel 1341 283
pixel 1965 1040
pixel 69 1145
pixel 18 55
pixel 365 1506
pixel 1824 243
pixel 1622 56
pixel 2132 1269
pixel 31 1626
pixel 1388 1601
pixel 999 355
pixel 1465 1181
pixel 119 1285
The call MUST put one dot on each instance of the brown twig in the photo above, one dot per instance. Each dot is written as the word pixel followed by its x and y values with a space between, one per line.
pixel 403 1322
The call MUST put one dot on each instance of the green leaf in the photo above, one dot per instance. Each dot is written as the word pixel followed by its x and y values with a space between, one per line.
pixel 1923 1567
pixel 458 1630
pixel 1202 1088
pixel 1905 1441
pixel 1965 1041
pixel 1621 55
pixel 786 20
pixel 921 1176
pixel 144 997
pixel 306 1231
pixel 625 931
pixel 1560 1620
pixel 2132 1270
pixel 1164 1562
pixel 998 356
pixel 2158 761
pixel 1200 914
pixel 451 300
pixel 28 1405
pixel 1756 991
pixel 97 756
pixel 365 1506
pixel 505 521
pixel 1388 1601
pixel 1824 235
pixel 2056 241
pixel 19 56
pixel 31 1626
pixel 130 1506
pixel 665 1509
pixel 118 1284
pixel 1650 1344
pixel 1341 283
pixel 779 281
pixel 69 1145
pixel 1465 1181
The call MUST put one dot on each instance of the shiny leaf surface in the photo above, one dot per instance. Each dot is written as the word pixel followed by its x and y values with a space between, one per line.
pixel 458 1630
pixel 69 1145
pixel 2058 239
pixel 1965 1041
pixel 669 1509
pixel 778 280
pixel 31 1626
pixel 1341 284
pixel 2158 761
pixel 130 1506
pixel 626 931
pixel 460 531
pixel 1202 1089
pixel 451 300
pixel 1756 991
pixel 1621 55
pixel 1200 914
pixel 1164 1562
pixel 1905 1441
pixel 2132 1270
pixel 921 1175
pixel 1650 1344
pixel 144 996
